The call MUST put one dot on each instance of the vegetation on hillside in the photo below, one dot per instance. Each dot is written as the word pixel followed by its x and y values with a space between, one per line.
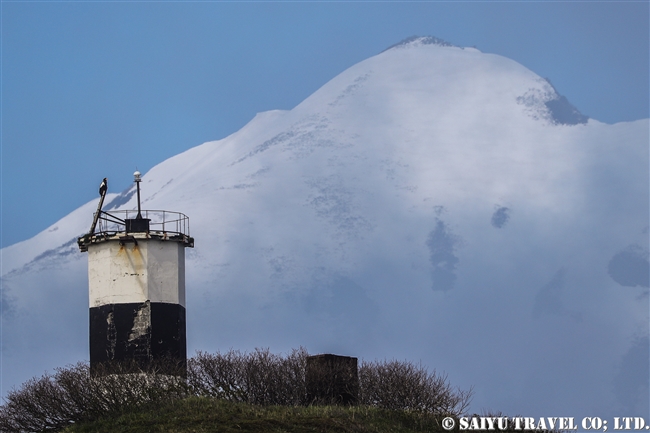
pixel 265 389
pixel 204 414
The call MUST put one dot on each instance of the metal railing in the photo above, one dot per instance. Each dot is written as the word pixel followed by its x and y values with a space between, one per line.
pixel 162 221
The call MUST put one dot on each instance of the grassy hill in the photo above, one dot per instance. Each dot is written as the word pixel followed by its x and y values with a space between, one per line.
pixel 204 414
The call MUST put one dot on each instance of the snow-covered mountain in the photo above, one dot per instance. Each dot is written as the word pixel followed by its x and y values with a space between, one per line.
pixel 431 203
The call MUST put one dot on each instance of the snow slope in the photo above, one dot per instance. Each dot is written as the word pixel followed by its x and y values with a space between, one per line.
pixel 431 203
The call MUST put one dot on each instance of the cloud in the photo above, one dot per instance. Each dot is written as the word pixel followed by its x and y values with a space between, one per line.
pixel 630 267
pixel 500 217
pixel 442 244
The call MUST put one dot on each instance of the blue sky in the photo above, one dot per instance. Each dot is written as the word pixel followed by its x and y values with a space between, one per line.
pixel 98 89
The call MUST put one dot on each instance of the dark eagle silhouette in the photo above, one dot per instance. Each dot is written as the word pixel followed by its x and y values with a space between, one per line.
pixel 103 187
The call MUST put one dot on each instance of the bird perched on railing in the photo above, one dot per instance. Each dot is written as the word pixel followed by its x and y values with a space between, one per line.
pixel 103 187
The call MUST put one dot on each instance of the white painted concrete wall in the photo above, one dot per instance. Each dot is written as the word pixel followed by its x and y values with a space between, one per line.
pixel 152 270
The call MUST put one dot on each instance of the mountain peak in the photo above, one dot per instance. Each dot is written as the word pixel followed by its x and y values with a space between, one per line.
pixel 415 41
pixel 542 102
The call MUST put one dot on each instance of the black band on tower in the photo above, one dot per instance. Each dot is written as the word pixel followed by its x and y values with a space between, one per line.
pixel 149 333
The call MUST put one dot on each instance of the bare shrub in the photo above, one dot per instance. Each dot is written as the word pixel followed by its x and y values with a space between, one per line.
pixel 405 386
pixel 73 394
pixel 264 378
pixel 274 380
pixel 259 377
pixel 217 375
pixel 38 405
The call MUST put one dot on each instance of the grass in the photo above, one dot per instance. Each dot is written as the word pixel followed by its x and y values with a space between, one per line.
pixel 201 414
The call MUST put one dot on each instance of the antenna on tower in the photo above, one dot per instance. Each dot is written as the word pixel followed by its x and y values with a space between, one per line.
pixel 137 180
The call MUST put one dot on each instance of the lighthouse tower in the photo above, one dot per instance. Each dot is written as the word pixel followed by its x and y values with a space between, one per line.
pixel 136 279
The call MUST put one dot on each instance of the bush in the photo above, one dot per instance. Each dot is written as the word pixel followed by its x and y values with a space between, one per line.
pixel 259 377
pixel 405 386
pixel 74 395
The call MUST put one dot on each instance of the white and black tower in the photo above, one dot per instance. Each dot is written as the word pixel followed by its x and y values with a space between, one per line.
pixel 136 279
